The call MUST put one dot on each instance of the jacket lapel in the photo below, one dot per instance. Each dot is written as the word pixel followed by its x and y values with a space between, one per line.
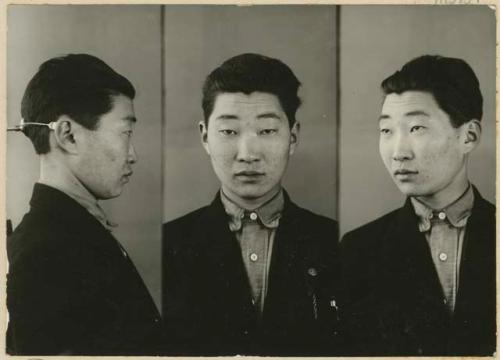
pixel 408 260
pixel 477 270
pixel 286 275
pixel 411 296
pixel 221 279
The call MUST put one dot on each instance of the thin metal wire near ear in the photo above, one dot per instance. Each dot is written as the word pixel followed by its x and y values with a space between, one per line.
pixel 22 125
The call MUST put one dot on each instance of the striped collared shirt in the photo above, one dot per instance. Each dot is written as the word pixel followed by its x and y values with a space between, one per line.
pixel 255 231
pixel 444 230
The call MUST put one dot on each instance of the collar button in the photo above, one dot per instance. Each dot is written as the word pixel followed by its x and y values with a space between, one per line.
pixel 443 256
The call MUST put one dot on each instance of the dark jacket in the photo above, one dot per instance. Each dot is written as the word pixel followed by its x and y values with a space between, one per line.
pixel 393 301
pixel 71 289
pixel 207 298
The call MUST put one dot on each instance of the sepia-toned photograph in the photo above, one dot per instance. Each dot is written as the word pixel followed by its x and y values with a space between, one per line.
pixel 264 180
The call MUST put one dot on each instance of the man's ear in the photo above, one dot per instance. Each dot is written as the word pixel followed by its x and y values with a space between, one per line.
pixel 472 135
pixel 203 127
pixel 294 137
pixel 64 134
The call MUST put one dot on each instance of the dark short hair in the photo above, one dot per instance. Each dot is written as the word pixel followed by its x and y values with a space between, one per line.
pixel 247 73
pixel 451 81
pixel 80 86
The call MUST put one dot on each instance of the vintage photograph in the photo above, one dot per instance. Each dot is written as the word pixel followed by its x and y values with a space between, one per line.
pixel 265 180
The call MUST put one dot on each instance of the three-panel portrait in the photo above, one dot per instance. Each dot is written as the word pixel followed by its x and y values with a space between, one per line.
pixel 265 180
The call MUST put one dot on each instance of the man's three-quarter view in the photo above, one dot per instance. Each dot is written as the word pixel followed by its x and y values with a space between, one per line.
pixel 421 279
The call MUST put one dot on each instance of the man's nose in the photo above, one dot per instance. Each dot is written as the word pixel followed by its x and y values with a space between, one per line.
pixel 132 155
pixel 248 148
pixel 401 148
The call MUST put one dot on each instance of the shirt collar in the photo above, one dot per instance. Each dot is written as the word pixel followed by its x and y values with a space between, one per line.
pixel 85 199
pixel 268 214
pixel 457 212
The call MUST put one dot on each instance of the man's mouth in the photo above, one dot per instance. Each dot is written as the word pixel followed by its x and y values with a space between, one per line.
pixel 404 172
pixel 249 176
pixel 249 173
pixel 128 175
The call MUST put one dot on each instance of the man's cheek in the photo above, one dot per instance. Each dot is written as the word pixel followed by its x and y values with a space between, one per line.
pixel 110 155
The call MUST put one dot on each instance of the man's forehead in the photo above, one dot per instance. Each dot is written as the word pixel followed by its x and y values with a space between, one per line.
pixel 259 104
pixel 409 103
pixel 240 99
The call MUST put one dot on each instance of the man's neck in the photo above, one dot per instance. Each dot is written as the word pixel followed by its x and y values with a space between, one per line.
pixel 55 173
pixel 447 196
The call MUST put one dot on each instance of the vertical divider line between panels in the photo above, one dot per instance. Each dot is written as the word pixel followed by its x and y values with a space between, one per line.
pixel 162 142
pixel 337 109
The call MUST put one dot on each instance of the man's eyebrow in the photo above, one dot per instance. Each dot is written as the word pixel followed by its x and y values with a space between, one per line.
pixel 227 117
pixel 130 118
pixel 408 114
pixel 268 115
pixel 417 113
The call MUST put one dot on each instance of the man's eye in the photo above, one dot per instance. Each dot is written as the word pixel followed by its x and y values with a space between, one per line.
pixel 385 131
pixel 268 131
pixel 227 132
pixel 417 128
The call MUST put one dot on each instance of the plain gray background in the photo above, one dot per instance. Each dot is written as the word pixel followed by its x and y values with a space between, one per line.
pixel 128 39
pixel 200 38
pixel 375 41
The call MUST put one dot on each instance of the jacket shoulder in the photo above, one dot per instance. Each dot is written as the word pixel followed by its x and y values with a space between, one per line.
pixel 36 233
pixel 369 233
pixel 316 222
pixel 487 207
pixel 181 227
pixel 320 235
pixel 312 217
pixel 185 220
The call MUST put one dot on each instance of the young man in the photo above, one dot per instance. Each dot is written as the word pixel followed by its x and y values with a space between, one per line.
pixel 251 273
pixel 421 279
pixel 72 289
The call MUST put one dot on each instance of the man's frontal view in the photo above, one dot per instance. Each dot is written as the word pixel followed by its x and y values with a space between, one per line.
pixel 251 273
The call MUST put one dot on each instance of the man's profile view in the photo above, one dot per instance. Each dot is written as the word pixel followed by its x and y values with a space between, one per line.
pixel 71 288
pixel 251 273
pixel 421 279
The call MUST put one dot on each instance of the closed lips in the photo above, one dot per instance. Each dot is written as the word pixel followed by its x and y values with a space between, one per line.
pixel 249 173
pixel 405 172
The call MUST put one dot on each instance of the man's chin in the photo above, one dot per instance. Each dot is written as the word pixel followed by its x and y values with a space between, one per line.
pixel 111 194
pixel 408 189
pixel 250 196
